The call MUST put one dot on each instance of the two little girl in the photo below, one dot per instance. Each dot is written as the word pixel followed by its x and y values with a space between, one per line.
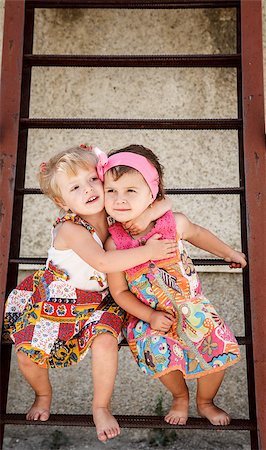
pixel 173 331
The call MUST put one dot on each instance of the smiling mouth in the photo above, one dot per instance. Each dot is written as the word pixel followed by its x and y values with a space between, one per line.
pixel 91 199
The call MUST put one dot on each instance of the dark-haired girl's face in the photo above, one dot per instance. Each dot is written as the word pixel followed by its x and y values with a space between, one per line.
pixel 127 197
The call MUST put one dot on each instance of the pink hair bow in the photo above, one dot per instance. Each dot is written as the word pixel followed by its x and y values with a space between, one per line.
pixel 43 167
pixel 102 161
pixel 102 158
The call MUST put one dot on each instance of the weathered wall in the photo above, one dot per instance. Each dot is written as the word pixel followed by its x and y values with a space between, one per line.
pixel 191 159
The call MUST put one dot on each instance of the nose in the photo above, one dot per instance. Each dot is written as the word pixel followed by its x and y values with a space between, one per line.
pixel 88 187
pixel 120 198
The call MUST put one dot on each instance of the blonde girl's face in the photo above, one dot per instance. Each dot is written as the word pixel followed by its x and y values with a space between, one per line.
pixel 81 193
pixel 127 197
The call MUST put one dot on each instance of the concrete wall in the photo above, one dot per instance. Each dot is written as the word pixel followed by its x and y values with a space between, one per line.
pixel 191 159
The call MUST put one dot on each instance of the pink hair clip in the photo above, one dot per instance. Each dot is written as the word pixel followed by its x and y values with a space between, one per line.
pixel 86 147
pixel 43 167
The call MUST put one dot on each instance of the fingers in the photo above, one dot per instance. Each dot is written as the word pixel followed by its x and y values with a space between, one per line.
pixel 237 265
pixel 157 236
pixel 133 231
pixel 234 265
pixel 128 226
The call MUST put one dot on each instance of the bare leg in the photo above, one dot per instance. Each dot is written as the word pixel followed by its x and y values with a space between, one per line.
pixel 175 383
pixel 207 389
pixel 104 370
pixel 38 379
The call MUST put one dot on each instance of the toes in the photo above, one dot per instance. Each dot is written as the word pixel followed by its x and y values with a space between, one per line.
pixel 43 416
pixel 182 421
pixel 38 415
pixel 102 436
pixel 113 432
pixel 172 420
pixel 223 421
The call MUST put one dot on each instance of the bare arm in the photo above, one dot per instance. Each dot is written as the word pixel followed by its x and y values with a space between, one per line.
pixel 158 320
pixel 77 238
pixel 206 240
pixel 157 209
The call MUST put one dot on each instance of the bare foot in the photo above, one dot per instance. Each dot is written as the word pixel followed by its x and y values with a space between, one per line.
pixel 215 415
pixel 40 409
pixel 106 425
pixel 178 413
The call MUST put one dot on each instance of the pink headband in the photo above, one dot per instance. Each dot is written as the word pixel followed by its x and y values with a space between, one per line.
pixel 138 162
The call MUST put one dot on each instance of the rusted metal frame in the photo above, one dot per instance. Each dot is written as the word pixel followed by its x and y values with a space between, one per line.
pixel 10 105
pixel 21 140
pixel 141 124
pixel 245 275
pixel 129 421
pixel 231 60
pixel 151 4
pixel 22 151
pixel 255 176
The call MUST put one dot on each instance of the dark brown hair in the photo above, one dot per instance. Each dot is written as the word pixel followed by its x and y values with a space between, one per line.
pixel 118 171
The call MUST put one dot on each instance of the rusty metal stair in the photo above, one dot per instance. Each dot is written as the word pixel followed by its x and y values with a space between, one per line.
pixel 24 123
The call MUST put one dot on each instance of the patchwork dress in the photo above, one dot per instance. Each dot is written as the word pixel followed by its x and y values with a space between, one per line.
pixel 199 342
pixel 53 321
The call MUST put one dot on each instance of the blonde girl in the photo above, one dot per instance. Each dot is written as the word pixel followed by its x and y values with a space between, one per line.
pixel 55 315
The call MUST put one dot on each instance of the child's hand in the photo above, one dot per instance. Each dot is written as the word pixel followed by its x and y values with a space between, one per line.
pixel 161 249
pixel 139 224
pixel 161 321
pixel 237 260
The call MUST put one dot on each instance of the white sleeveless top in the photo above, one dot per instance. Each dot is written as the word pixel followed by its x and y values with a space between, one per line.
pixel 81 275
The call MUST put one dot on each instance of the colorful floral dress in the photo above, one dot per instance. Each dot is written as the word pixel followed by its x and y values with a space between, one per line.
pixel 199 342
pixel 53 322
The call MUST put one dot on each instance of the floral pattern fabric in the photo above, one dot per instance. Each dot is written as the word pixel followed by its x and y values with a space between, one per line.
pixel 55 323
pixel 199 341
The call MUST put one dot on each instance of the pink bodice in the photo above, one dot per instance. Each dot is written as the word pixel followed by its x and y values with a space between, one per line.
pixel 165 226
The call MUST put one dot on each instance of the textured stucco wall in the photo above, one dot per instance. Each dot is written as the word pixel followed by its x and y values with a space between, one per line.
pixel 191 159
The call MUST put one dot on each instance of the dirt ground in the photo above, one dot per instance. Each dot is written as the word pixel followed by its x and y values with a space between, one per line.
pixel 73 438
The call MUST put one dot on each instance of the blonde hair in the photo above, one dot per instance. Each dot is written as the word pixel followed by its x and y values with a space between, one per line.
pixel 66 162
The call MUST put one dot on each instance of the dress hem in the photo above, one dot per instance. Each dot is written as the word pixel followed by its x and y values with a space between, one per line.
pixel 196 375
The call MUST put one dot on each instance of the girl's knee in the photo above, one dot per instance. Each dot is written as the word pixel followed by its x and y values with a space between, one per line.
pixel 106 340
pixel 23 359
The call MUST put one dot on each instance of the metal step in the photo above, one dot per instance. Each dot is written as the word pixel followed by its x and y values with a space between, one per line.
pixel 136 4
pixel 231 60
pixel 196 261
pixel 172 191
pixel 242 340
pixel 140 124
pixel 128 421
